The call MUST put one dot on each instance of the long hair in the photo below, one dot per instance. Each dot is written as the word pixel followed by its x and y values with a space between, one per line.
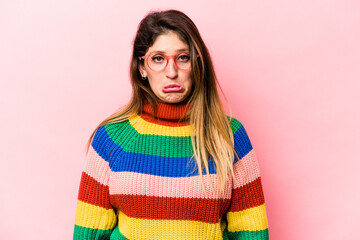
pixel 211 134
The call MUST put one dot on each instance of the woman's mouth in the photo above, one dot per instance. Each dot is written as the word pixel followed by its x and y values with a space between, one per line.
pixel 173 88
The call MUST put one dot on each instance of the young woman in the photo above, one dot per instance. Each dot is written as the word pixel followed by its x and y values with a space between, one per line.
pixel 171 164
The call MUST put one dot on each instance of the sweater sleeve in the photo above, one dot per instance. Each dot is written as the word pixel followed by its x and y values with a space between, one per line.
pixel 246 217
pixel 95 218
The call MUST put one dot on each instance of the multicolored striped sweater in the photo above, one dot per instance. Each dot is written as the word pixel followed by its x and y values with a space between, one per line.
pixel 138 183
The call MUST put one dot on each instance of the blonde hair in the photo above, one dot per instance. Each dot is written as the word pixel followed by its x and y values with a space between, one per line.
pixel 211 133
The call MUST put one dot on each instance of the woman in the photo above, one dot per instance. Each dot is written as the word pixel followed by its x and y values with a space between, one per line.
pixel 142 178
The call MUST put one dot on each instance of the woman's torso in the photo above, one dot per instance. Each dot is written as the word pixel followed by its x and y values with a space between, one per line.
pixel 153 185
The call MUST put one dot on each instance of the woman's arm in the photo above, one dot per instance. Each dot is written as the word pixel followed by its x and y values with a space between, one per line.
pixel 95 217
pixel 247 214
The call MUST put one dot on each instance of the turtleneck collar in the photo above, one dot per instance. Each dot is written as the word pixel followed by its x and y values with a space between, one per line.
pixel 166 111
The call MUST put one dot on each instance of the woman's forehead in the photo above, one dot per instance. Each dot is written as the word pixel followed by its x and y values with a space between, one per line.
pixel 169 43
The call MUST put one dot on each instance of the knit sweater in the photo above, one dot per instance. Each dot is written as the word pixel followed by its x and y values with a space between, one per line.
pixel 139 183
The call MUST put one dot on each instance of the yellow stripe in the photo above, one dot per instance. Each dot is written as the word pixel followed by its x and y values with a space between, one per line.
pixel 144 127
pixel 91 216
pixel 135 228
pixel 252 219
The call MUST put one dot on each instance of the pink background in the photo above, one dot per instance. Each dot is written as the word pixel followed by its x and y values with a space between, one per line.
pixel 290 69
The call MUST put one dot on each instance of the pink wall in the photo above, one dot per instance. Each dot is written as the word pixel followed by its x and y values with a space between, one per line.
pixel 290 69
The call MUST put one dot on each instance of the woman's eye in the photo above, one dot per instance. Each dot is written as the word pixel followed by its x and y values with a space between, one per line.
pixel 184 58
pixel 157 59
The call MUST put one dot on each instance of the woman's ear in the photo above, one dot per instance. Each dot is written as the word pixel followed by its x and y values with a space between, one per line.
pixel 142 70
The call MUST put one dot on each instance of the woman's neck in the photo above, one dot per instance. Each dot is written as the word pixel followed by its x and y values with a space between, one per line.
pixel 167 112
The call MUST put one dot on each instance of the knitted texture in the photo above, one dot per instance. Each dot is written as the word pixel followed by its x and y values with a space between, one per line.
pixel 141 183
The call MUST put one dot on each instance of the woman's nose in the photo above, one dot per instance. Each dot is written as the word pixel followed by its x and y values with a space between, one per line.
pixel 171 70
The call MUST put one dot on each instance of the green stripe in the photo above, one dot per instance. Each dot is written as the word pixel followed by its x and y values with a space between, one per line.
pixel 225 234
pixel 235 124
pixel 248 235
pixel 81 233
pixel 125 135
pixel 130 140
pixel 116 235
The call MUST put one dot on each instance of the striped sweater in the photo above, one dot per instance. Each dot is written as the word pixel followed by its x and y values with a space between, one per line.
pixel 138 183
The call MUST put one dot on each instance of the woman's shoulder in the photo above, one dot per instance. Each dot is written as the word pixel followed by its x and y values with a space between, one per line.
pixel 241 139
pixel 235 124
pixel 107 134
pixel 110 129
pixel 116 125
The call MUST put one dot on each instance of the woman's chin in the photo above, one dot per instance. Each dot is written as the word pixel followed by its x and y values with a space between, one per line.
pixel 172 98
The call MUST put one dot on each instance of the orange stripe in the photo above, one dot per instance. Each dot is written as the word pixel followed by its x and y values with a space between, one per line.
pixel 247 196
pixel 93 192
pixel 148 207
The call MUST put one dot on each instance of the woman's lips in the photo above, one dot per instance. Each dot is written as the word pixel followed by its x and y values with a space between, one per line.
pixel 173 88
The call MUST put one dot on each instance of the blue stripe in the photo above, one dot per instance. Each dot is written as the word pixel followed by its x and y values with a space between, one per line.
pixel 242 143
pixel 121 161
pixel 100 142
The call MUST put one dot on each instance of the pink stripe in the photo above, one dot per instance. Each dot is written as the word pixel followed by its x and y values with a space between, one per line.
pixel 246 170
pixel 151 185
pixel 97 167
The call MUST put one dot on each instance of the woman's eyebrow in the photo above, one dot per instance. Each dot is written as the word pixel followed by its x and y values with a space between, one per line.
pixel 179 50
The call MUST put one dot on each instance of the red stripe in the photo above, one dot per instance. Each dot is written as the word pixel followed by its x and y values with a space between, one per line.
pixel 247 196
pixel 170 123
pixel 93 192
pixel 151 207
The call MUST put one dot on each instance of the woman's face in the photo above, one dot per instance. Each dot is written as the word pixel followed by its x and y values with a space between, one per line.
pixel 172 85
